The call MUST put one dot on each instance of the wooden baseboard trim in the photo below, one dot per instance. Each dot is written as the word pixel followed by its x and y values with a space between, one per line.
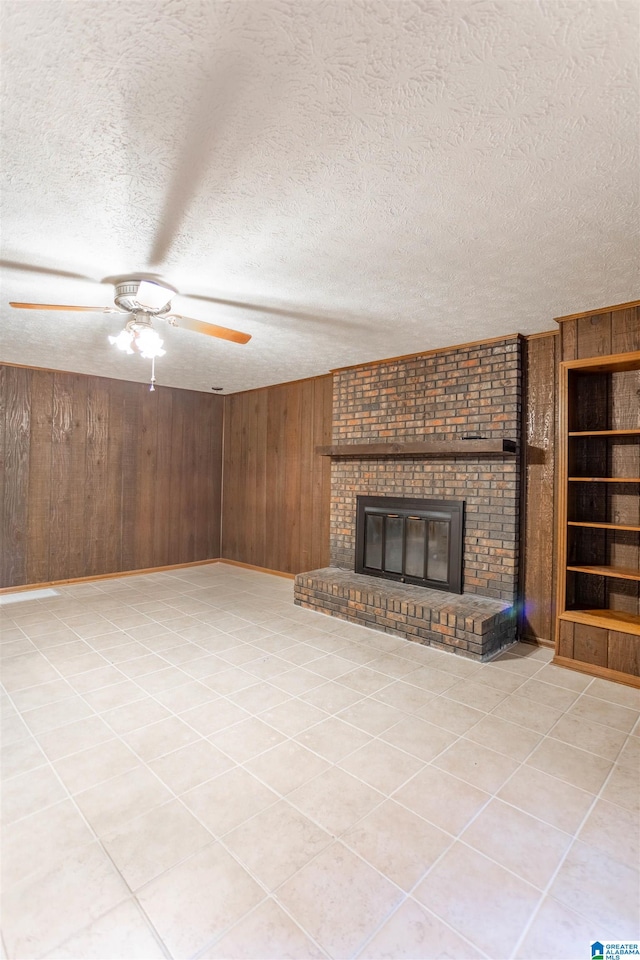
pixel 141 572
pixel 251 566
pixel 603 673
pixel 537 642
pixel 106 576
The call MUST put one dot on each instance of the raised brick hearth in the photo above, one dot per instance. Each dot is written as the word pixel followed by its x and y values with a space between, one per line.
pixel 448 395
pixel 473 626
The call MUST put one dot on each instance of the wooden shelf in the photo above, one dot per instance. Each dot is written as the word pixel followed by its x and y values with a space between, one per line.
pixel 603 479
pixel 607 619
pixel 602 526
pixel 423 449
pixel 615 363
pixel 605 433
pixel 620 573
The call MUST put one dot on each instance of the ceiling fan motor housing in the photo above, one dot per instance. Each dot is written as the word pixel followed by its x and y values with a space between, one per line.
pixel 126 297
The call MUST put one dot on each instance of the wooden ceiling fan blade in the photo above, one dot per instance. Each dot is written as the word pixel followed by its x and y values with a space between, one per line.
pixel 61 306
pixel 210 329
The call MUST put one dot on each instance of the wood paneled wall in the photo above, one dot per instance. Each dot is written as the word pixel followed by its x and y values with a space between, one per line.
pixel 610 330
pixel 103 476
pixel 541 355
pixel 276 489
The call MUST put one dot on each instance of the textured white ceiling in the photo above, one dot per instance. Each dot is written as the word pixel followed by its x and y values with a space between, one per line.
pixel 376 178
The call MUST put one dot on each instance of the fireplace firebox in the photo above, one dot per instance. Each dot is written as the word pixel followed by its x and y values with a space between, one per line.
pixel 411 540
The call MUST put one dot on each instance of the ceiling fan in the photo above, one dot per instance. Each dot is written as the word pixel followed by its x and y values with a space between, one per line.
pixel 142 300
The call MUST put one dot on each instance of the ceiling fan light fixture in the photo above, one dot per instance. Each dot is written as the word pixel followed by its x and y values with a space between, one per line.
pixel 154 296
pixel 123 341
pixel 149 343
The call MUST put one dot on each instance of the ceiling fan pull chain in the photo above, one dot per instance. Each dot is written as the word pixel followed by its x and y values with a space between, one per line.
pixel 153 373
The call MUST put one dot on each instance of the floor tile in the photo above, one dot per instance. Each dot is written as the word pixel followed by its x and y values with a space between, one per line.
pixel 74 666
pixel 109 806
pixel 230 680
pixel 527 713
pixel 333 739
pixel 287 766
pixel 615 693
pixel 335 800
pixel 518 841
pixel 504 737
pixel 623 788
pixel 155 841
pixel 461 890
pixel 419 738
pixel 554 801
pixel 479 766
pixel 259 697
pixel 332 697
pixel 20 757
pixel 73 737
pixel 451 715
pixel 114 696
pixel 293 716
pixel 189 766
pixel 602 711
pixel 398 843
pixel 444 800
pixel 42 693
pixel 339 899
pixel 578 767
pixel 227 801
pixel 404 696
pixel 594 737
pixel 600 889
pixel 181 904
pixel 159 680
pixel 276 843
pixel 371 715
pixel 476 695
pixel 413 932
pixel 267 932
pixel 30 792
pixel 27 670
pixel 99 679
pixel 246 739
pixel 41 841
pixel 159 738
pixel 122 932
pixel 54 904
pixel 68 651
pixel 568 679
pixel 297 680
pixel 614 831
pixel 556 933
pixel 208 718
pixel 547 694
pixel 432 680
pixel 381 765
pixel 95 765
pixel 14 728
pixel 130 716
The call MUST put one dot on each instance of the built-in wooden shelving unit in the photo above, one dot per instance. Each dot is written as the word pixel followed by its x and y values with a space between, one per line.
pixel 598 606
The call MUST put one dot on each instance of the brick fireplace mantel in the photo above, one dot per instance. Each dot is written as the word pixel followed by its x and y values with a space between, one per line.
pixel 438 449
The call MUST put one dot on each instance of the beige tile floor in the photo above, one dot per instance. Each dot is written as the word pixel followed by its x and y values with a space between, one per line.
pixel 195 767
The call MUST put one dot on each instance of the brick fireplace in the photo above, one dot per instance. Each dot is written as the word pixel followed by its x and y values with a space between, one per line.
pixel 456 395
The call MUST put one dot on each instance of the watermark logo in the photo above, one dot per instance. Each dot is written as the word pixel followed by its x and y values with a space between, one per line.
pixel 615 950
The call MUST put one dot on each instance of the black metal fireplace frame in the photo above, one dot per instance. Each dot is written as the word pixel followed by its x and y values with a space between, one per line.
pixel 410 507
